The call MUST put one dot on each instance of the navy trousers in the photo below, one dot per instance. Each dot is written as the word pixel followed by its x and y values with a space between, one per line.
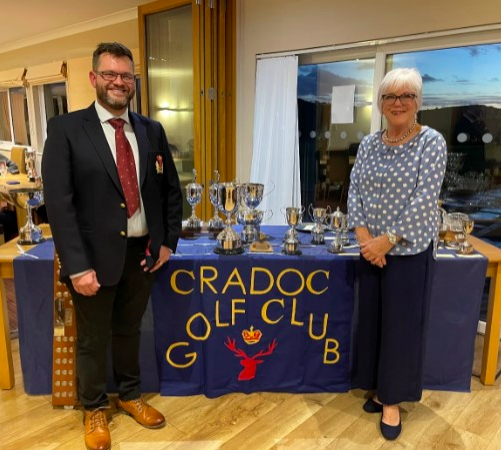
pixel 394 304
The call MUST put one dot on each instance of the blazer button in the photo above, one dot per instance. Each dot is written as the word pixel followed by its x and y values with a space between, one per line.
pixel 123 233
pixel 123 206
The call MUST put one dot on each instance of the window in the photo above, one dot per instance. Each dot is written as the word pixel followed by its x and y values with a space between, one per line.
pixel 327 150
pixel 5 128
pixel 20 120
pixel 45 101
pixel 55 100
pixel 462 100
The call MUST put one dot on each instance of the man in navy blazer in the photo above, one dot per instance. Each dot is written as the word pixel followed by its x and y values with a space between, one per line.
pixel 108 250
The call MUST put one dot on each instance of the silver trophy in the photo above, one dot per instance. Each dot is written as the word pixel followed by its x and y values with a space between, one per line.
pixel 293 216
pixel 30 163
pixel 28 198
pixel 194 197
pixel 455 231
pixel 229 197
pixel 465 247
pixel 344 230
pixel 215 222
pixel 252 196
pixel 336 220
pixel 251 220
pixel 318 216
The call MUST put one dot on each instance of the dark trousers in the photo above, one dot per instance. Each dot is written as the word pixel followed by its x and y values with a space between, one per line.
pixel 116 312
pixel 394 304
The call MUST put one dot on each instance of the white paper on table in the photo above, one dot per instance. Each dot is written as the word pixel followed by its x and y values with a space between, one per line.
pixel 342 104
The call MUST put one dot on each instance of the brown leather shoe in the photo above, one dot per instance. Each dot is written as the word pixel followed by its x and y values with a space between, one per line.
pixel 97 435
pixel 142 413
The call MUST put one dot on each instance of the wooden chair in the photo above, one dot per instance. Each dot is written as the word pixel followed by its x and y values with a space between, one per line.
pixel 17 154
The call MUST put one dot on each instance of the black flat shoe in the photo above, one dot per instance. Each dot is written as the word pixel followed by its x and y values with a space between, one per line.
pixel 370 406
pixel 390 432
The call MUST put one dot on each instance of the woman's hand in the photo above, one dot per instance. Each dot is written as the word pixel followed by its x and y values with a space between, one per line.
pixel 362 234
pixel 374 250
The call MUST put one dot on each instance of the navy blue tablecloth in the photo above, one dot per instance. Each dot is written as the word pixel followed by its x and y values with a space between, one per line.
pixel 457 290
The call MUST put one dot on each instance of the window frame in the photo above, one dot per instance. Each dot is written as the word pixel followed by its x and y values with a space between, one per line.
pixel 380 49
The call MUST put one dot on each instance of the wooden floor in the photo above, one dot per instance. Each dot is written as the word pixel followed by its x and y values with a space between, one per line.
pixel 262 421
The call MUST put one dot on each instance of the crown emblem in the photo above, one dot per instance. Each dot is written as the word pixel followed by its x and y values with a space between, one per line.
pixel 252 336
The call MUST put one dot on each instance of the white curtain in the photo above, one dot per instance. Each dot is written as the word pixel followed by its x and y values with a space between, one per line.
pixel 275 153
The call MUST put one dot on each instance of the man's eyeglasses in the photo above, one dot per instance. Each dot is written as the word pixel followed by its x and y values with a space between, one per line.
pixel 391 99
pixel 112 76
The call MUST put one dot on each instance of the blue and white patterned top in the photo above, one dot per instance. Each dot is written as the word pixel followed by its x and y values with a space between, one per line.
pixel 396 189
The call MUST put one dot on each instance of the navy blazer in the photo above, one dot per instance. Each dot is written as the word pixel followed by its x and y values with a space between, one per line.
pixel 84 198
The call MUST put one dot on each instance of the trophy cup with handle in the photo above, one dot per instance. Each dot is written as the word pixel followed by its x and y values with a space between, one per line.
pixel 293 216
pixel 215 222
pixel 30 162
pixel 229 198
pixel 194 197
pixel 252 196
pixel 318 216
pixel 251 220
pixel 465 248
pixel 336 220
pixel 29 197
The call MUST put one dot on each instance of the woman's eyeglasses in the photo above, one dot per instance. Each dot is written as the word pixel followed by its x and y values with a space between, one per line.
pixel 112 76
pixel 391 99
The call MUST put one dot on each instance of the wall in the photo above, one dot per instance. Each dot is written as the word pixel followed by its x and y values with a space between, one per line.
pixel 77 51
pixel 268 26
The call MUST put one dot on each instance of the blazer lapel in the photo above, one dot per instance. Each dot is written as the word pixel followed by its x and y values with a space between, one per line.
pixel 144 145
pixel 92 127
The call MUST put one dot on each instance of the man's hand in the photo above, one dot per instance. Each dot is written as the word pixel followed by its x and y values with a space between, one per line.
pixel 374 250
pixel 163 257
pixel 86 284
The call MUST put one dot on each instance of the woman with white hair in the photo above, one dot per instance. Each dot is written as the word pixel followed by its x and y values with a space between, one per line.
pixel 392 205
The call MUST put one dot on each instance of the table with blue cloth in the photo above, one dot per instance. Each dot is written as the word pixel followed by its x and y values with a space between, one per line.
pixel 258 322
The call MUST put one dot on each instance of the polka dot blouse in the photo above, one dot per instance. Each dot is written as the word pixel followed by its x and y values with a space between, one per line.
pixel 396 189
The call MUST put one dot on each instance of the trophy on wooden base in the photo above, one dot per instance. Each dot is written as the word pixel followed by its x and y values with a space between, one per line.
pixel 215 224
pixel 229 197
pixel 193 197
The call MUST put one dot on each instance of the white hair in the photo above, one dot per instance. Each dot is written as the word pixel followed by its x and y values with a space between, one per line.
pixel 401 78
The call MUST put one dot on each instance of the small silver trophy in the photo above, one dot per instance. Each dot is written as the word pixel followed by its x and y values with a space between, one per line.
pixel 318 216
pixel 229 197
pixel 336 220
pixel 194 197
pixel 465 248
pixel 30 163
pixel 215 222
pixel 293 216
pixel 252 196
pixel 28 198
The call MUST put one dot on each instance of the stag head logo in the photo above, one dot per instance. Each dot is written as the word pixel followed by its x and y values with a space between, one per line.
pixel 249 362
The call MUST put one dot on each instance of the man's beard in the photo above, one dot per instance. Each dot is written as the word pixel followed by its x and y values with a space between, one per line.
pixel 102 94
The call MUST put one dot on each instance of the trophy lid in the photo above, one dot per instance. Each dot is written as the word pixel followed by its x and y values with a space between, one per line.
pixel 193 185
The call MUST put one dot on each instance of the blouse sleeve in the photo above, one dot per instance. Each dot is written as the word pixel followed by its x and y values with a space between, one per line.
pixel 356 216
pixel 417 220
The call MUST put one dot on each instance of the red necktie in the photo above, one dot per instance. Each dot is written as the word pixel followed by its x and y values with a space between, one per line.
pixel 126 167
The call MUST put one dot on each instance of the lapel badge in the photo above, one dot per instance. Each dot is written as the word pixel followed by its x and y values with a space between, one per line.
pixel 159 165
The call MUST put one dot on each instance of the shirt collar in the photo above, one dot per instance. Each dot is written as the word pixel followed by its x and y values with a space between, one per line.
pixel 104 115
